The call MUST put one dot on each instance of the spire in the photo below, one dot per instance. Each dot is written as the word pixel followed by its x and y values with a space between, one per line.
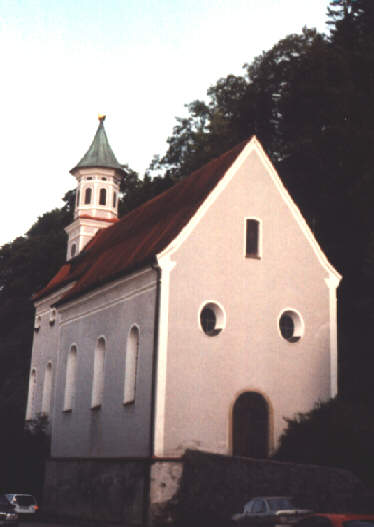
pixel 100 154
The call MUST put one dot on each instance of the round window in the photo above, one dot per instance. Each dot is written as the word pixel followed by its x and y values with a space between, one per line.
pixel 291 326
pixel 212 319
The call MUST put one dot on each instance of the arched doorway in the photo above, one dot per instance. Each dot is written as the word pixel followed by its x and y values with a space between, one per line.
pixel 250 426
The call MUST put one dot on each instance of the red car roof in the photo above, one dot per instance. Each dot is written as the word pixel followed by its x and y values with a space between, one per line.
pixel 339 519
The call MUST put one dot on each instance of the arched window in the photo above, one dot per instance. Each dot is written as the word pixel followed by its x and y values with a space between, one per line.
pixel 98 374
pixel 114 199
pixel 30 398
pixel 37 322
pixel 88 196
pixel 71 379
pixel 52 316
pixel 102 197
pixel 47 390
pixel 131 362
pixel 73 250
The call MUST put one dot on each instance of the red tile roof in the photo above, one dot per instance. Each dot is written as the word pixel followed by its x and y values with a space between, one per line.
pixel 135 240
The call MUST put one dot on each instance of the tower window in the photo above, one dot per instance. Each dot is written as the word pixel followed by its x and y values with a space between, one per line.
pixel 73 250
pixel 102 199
pixel 88 196
pixel 252 238
pixel 78 196
pixel 114 199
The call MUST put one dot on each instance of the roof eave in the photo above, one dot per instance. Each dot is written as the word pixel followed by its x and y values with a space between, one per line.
pixel 70 296
pixel 120 170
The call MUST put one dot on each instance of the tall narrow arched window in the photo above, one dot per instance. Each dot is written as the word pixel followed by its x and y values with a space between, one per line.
pixel 98 374
pixel 131 363
pixel 47 390
pixel 114 199
pixel 102 197
pixel 31 395
pixel 88 196
pixel 71 379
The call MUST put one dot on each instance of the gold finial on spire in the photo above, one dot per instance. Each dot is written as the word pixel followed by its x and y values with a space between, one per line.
pixel 101 117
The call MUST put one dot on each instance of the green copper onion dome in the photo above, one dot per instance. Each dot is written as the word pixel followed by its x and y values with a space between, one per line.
pixel 100 154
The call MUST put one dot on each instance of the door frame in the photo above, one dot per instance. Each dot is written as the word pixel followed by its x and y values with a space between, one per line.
pixel 271 443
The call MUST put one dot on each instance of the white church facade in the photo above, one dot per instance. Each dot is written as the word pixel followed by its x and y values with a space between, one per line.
pixel 199 320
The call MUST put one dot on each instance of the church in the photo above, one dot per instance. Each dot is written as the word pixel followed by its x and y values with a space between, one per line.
pixel 199 320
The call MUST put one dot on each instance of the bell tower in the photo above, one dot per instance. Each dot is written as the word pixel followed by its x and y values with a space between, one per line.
pixel 98 176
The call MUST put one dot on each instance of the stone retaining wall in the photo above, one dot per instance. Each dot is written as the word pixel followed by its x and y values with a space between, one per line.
pixel 202 489
pixel 97 491
pixel 213 487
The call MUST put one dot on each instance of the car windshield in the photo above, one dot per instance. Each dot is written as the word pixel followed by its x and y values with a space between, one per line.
pixel 24 500
pixel 277 504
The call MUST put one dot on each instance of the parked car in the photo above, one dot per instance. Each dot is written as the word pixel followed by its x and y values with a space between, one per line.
pixel 270 510
pixel 337 520
pixel 25 504
pixel 8 516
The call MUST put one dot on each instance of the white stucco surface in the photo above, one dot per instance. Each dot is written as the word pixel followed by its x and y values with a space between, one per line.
pixel 113 429
pixel 45 350
pixel 205 374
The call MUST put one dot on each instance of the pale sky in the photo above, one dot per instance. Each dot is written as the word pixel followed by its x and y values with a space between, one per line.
pixel 138 61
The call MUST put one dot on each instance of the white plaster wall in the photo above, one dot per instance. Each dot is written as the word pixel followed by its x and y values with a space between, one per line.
pixel 206 374
pixel 114 429
pixel 45 349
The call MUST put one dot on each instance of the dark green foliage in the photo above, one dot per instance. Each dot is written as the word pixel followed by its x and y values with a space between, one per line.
pixel 25 266
pixel 336 433
pixel 310 102
pixel 23 452
pixel 135 191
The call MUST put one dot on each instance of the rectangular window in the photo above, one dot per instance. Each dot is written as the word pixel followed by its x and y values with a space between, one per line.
pixel 252 241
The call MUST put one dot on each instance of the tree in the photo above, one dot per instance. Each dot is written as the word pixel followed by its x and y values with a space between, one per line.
pixel 336 433
pixel 26 265
pixel 309 100
pixel 135 191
